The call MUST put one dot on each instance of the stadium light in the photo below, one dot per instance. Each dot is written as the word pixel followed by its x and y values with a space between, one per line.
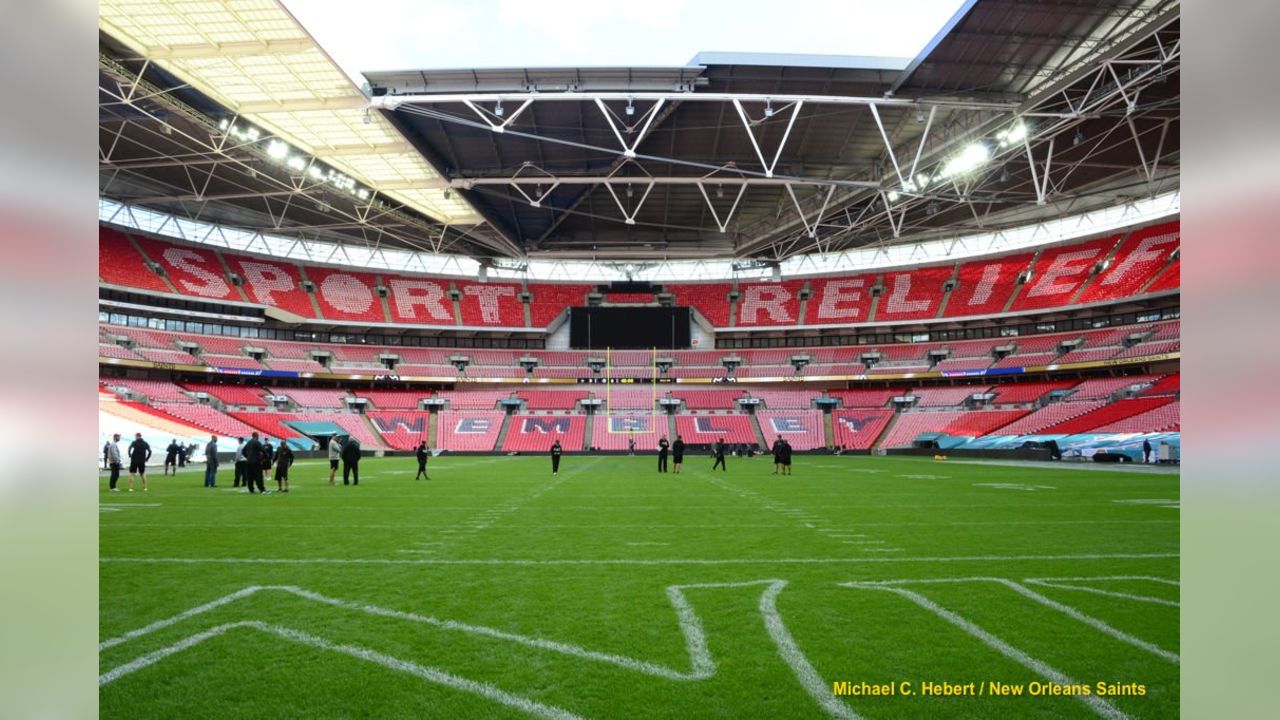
pixel 1012 134
pixel 969 159
pixel 278 149
pixel 768 108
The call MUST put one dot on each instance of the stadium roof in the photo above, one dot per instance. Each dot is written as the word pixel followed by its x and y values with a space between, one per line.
pixel 1015 112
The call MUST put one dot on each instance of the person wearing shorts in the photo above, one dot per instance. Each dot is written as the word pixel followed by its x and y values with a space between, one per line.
pixel 677 454
pixel 139 454
pixel 284 458
pixel 171 458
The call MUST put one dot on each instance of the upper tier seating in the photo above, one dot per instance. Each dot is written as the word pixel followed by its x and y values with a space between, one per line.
pixel 153 389
pixel 1169 279
pixel 536 433
pixel 706 429
pixel 798 399
pixel 549 300
pixel 1142 255
pixel 347 295
pixel 231 361
pixel 857 429
pixel 710 299
pixel 120 264
pixel 915 295
pixel 1060 271
pixel 272 282
pixel 302 366
pixel 468 430
pixel 983 287
pixel 801 428
pixel 491 304
pixel 769 303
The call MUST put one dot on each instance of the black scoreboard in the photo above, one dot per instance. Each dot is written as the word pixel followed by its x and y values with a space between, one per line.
pixel 629 328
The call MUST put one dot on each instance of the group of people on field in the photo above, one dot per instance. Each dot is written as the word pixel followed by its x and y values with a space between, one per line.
pixel 675 450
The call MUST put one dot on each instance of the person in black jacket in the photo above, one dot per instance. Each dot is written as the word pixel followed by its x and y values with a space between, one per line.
pixel 555 457
pixel 677 453
pixel 1146 450
pixel 268 456
pixel 170 458
pixel 284 458
pixel 663 447
pixel 786 457
pixel 139 454
pixel 253 465
pixel 718 451
pixel 422 454
pixel 351 461
pixel 777 456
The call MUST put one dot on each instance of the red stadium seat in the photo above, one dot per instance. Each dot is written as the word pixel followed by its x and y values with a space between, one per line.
pixel 491 305
pixel 706 429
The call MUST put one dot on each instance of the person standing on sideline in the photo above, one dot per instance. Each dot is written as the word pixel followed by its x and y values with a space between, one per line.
pixel 335 453
pixel 351 460
pixel 284 458
pixel 718 451
pixel 171 458
pixel 240 465
pixel 422 462
pixel 555 457
pixel 253 465
pixel 211 462
pixel 268 457
pixel 182 456
pixel 112 450
pixel 677 453
pixel 777 456
pixel 631 444
pixel 663 446
pixel 139 454
pixel 106 454
pixel 1146 450
pixel 786 457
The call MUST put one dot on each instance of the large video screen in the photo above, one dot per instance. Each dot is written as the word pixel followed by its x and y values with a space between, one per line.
pixel 596 328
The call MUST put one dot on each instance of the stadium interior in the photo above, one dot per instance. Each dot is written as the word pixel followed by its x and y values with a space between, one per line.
pixel 970 254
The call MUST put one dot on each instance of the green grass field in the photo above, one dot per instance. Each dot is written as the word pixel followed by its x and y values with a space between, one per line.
pixel 496 590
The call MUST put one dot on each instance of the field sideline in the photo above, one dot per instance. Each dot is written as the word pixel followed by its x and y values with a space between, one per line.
pixel 497 590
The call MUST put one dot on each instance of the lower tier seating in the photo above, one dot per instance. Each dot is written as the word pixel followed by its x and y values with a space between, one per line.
pixel 801 428
pixel 536 433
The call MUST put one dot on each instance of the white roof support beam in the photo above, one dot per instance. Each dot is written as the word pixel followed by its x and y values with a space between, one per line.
pixel 646 121
pixel 497 112
pixel 811 227
pixel 723 225
pixel 392 102
pixel 746 124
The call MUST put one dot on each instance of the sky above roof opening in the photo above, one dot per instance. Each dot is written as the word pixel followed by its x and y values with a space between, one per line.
pixel 450 34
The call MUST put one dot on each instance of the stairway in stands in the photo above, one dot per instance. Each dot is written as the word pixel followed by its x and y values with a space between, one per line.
pixel 586 437
pixel 884 434
pixel 502 434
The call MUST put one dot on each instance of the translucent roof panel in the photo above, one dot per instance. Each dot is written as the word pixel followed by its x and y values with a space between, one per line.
pixel 253 58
